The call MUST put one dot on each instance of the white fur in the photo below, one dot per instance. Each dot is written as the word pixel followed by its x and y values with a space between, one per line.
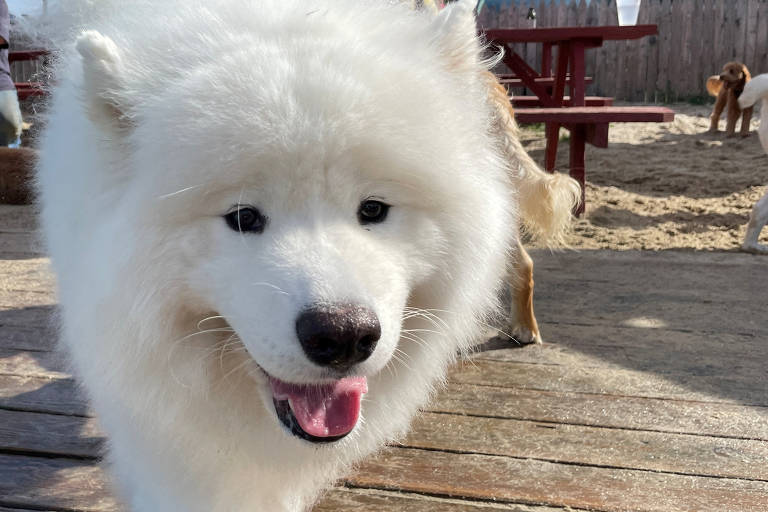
pixel 165 116
pixel 757 89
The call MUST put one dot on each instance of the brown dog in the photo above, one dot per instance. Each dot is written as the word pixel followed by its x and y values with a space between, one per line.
pixel 727 88
pixel 16 168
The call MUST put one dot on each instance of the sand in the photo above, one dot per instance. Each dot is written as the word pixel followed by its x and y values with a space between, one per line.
pixel 666 185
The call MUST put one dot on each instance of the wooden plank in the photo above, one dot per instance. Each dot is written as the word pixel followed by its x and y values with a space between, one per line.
pixel 18 219
pixel 372 500
pixel 693 46
pixel 50 434
pixel 639 63
pixel 528 481
pixel 719 30
pixel 671 290
pixel 703 384
pixel 33 316
pixel 650 414
pixel 16 337
pixel 40 483
pixel 705 65
pixel 761 57
pixel 591 56
pixel 616 448
pixel 3 509
pixel 47 434
pixel 663 82
pixel 21 363
pixel 20 245
pixel 16 299
pixel 451 432
pixel 61 396
pixel 652 56
pixel 587 115
pixel 534 101
pixel 34 394
pixel 556 34
pixel 649 348
pixel 30 275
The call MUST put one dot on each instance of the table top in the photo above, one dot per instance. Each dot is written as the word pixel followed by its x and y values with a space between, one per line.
pixel 557 34
pixel 16 55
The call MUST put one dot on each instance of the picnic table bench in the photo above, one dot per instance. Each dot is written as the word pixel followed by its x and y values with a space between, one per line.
pixel 587 125
pixel 535 101
pixel 546 81
pixel 27 90
pixel 588 118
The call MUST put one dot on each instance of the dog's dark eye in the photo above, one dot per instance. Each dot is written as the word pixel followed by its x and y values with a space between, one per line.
pixel 372 212
pixel 246 219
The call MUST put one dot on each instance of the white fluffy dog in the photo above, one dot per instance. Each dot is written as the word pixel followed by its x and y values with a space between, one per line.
pixel 274 224
pixel 756 89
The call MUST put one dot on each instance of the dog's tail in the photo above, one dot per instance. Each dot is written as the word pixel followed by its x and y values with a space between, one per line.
pixel 714 84
pixel 546 200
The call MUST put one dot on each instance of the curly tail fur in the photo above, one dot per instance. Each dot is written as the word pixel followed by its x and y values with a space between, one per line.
pixel 546 200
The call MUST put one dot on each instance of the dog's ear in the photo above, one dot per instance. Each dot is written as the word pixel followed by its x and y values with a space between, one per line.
pixel 455 32
pixel 103 73
pixel 739 87
pixel 745 71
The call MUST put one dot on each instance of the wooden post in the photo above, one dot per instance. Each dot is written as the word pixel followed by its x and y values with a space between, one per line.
pixel 578 141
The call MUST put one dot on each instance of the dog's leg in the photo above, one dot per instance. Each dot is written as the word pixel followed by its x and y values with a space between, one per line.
pixel 722 99
pixel 734 111
pixel 757 220
pixel 525 329
pixel 746 118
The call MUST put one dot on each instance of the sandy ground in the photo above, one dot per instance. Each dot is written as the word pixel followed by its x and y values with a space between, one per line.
pixel 666 185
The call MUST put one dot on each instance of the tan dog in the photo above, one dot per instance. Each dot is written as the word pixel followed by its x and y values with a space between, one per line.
pixel 727 87
pixel 546 201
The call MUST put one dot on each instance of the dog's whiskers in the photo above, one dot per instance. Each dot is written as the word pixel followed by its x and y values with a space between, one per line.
pixel 207 319
pixel 270 285
pixel 480 322
pixel 178 192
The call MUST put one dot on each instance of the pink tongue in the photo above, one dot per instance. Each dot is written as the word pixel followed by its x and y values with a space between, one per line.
pixel 324 410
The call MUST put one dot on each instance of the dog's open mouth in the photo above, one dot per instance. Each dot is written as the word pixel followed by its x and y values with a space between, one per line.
pixel 319 413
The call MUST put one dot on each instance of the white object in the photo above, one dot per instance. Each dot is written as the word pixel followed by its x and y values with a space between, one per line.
pixel 628 11
pixel 183 330
pixel 757 89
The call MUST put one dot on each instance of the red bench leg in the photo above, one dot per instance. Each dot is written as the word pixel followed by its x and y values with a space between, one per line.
pixel 578 171
pixel 552 132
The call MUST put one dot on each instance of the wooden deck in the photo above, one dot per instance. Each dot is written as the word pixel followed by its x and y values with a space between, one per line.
pixel 651 394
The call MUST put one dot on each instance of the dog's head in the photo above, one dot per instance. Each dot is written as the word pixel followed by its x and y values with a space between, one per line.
pixel 734 75
pixel 304 189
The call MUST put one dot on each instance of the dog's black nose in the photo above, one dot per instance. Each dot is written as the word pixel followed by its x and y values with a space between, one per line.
pixel 338 335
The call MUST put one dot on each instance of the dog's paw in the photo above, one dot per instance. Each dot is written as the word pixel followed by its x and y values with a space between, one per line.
pixel 755 249
pixel 520 335
pixel 745 135
pixel 93 46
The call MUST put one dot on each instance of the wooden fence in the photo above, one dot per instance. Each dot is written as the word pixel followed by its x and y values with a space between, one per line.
pixel 696 37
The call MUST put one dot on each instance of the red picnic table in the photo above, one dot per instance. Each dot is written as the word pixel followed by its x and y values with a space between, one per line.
pixel 587 118
pixel 28 89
